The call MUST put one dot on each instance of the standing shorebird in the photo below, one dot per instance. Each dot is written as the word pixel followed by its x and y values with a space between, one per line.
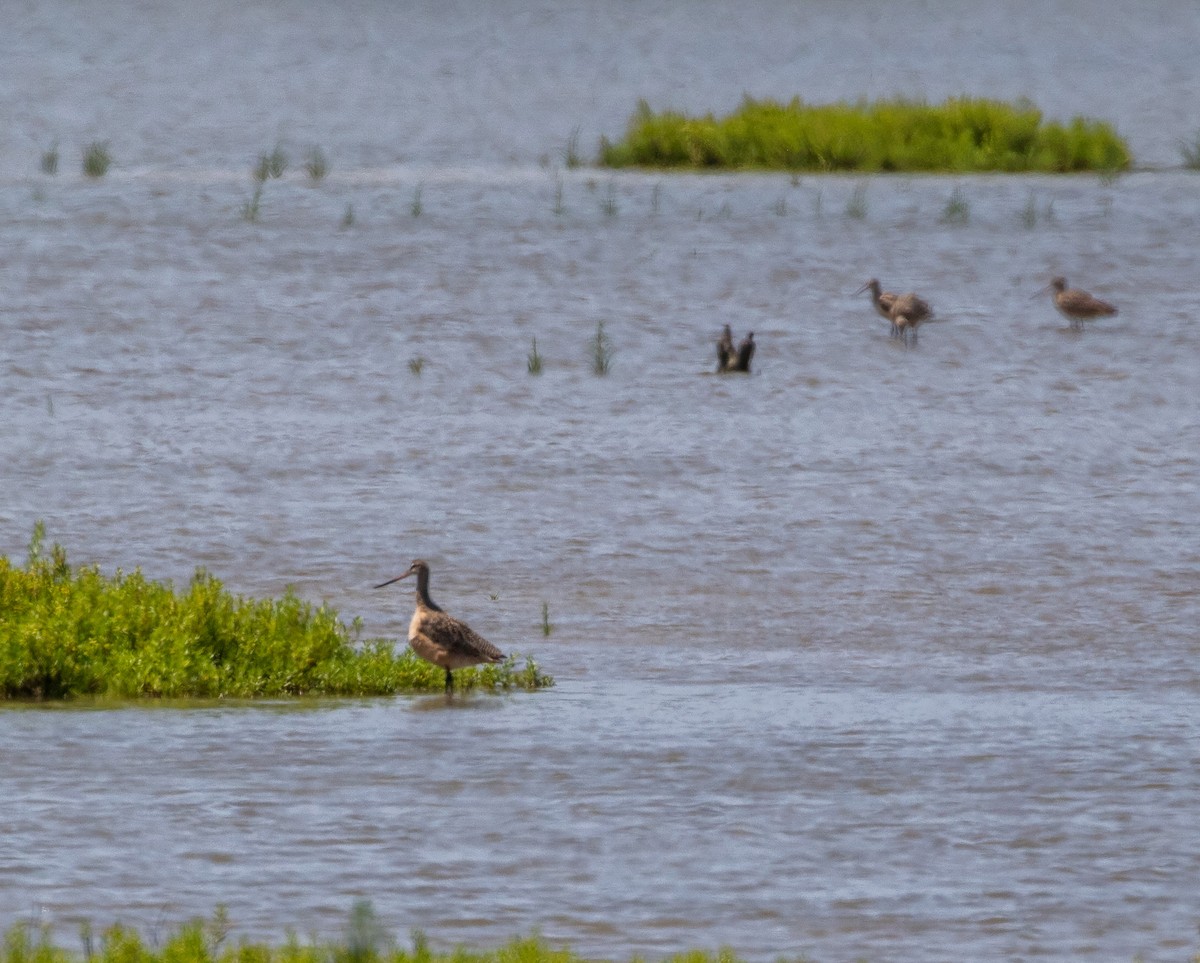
pixel 440 638
pixel 882 301
pixel 1075 305
pixel 906 312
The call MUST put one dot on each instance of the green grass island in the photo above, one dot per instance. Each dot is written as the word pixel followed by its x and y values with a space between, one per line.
pixel 73 632
pixel 960 135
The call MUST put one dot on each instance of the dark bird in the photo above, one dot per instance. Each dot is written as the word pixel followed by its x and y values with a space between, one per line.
pixel 725 350
pixel 440 638
pixel 744 353
pixel 1077 306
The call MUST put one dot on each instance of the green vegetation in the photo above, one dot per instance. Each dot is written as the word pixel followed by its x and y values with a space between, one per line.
pixel 957 209
pixel 1189 151
pixel 208 941
pixel 49 161
pixel 547 625
pixel 269 165
pixel 416 207
pixel 74 632
pixel 570 154
pixel 316 165
pixel 601 349
pixel 856 207
pixel 416 365
pixel 534 362
pixel 96 159
pixel 959 135
pixel 252 208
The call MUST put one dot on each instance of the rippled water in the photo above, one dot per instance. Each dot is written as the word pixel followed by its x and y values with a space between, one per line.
pixel 878 652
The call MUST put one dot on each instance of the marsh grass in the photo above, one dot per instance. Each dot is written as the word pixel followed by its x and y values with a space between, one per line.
pixel 348 217
pixel 608 203
pixel 96 159
pixel 416 365
pixel 958 135
pixel 602 351
pixel 570 153
pixel 252 208
pixel 1029 213
pixel 559 206
pixel 365 940
pixel 274 164
pixel 416 206
pixel 316 165
pixel 1189 152
pixel 856 206
pixel 69 632
pixel 534 362
pixel 957 209
pixel 49 161
pixel 547 626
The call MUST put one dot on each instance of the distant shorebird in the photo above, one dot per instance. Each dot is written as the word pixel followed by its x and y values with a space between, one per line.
pixel 725 350
pixel 882 300
pixel 440 638
pixel 1075 305
pixel 731 359
pixel 906 312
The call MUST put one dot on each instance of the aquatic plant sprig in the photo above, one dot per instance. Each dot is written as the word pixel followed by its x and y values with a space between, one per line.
pixel 97 159
pixel 74 632
pixel 959 135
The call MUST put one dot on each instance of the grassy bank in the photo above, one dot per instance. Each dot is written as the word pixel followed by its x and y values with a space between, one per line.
pixel 958 136
pixel 207 941
pixel 72 632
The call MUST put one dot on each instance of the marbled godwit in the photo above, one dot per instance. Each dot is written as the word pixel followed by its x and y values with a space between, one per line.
pixel 907 313
pixel 1077 306
pixel 440 638
pixel 882 301
pixel 725 350
pixel 904 312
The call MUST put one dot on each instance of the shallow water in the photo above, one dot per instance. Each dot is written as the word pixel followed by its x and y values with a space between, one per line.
pixel 877 652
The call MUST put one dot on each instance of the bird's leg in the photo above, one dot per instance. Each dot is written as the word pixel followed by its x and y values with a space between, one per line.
pixel 449 682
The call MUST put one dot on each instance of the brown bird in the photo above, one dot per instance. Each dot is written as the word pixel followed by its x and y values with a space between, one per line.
pixel 1077 306
pixel 725 350
pixel 882 300
pixel 440 638
pixel 905 312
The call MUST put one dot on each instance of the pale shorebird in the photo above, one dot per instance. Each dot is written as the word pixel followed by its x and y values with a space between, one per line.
pixel 440 638
pixel 906 312
pixel 1075 305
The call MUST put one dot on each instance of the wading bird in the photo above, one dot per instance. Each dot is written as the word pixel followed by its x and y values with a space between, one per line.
pixel 906 312
pixel 1075 305
pixel 440 638
pixel 882 300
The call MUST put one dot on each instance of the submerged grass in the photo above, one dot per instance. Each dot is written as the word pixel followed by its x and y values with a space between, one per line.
pixel 208 941
pixel 74 632
pixel 957 136
pixel 96 159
